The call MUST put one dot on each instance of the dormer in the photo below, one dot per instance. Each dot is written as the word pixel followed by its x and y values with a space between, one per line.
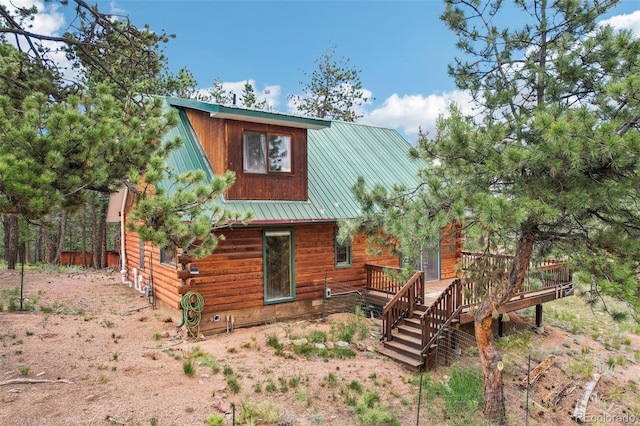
pixel 266 150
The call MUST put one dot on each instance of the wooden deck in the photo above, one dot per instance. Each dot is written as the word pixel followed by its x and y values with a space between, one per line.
pixel 416 312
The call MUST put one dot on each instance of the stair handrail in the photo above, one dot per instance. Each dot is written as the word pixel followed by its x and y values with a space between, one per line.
pixel 443 309
pixel 402 304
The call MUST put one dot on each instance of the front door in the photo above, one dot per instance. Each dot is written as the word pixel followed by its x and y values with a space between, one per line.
pixel 279 281
pixel 430 263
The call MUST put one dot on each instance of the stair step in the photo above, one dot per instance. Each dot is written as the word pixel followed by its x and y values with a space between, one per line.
pixel 413 322
pixel 410 363
pixel 412 340
pixel 409 330
pixel 403 348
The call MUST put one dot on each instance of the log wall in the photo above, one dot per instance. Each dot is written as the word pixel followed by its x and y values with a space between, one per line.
pixel 231 279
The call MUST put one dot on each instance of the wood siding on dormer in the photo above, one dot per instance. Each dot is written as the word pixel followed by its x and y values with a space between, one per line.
pixel 222 143
pixel 210 133
pixel 272 186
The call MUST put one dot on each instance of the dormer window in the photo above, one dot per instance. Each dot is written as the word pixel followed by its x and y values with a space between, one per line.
pixel 266 152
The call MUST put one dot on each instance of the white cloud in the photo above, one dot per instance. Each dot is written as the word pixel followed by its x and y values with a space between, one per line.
pixel 629 21
pixel 48 21
pixel 409 113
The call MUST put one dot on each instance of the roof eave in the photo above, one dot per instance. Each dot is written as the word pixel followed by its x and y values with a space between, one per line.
pixel 251 115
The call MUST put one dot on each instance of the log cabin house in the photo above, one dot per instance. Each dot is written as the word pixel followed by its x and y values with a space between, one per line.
pixel 295 174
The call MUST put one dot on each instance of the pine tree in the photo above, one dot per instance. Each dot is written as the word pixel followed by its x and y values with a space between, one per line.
pixel 333 90
pixel 549 164
pixel 249 99
pixel 62 138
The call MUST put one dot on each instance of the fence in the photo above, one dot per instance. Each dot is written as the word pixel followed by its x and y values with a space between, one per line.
pixel 453 392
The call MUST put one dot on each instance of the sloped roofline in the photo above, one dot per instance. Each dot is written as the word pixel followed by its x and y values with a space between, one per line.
pixel 251 115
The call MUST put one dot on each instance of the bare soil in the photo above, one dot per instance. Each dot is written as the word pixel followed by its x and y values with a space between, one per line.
pixel 94 352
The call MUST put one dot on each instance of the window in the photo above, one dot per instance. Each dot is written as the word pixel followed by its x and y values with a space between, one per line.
pixel 168 257
pixel 279 276
pixel 266 153
pixel 342 252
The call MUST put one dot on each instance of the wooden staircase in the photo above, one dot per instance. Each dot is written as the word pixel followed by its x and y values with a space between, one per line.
pixel 405 347
pixel 415 325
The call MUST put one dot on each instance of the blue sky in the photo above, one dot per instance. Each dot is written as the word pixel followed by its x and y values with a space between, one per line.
pixel 401 47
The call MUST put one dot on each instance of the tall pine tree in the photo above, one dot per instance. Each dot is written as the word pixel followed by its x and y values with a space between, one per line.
pixel 550 163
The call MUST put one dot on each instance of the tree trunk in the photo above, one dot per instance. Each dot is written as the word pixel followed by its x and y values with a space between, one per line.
pixel 83 241
pixel 95 237
pixel 49 245
pixel 491 359
pixel 62 228
pixel 11 238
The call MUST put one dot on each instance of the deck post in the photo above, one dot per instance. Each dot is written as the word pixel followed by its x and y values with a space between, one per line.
pixel 500 326
pixel 538 315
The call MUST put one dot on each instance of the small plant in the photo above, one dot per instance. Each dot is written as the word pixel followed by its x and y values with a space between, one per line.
pixel 233 384
pixel 270 387
pixel 317 336
pixel 29 333
pixel 189 366
pixel 107 323
pixel 342 353
pixel 227 371
pixel 294 381
pixel 356 386
pixel 215 420
pixel 284 387
pixel 114 356
pixel 347 330
pixel 232 350
pixel 331 379
pixel 153 421
pixel 349 399
pixel 24 370
pixel 189 410
pixel 272 340
pixel 156 336
pixel 257 387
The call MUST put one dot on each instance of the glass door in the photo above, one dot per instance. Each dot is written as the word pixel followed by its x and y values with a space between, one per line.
pixel 430 263
pixel 279 282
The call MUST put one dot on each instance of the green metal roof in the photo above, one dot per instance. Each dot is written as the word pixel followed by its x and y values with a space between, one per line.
pixel 337 155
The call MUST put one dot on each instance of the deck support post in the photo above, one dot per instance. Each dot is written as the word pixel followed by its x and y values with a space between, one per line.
pixel 500 326
pixel 539 315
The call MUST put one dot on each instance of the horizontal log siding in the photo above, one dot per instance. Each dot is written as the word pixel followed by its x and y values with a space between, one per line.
pixel 165 283
pixel 231 279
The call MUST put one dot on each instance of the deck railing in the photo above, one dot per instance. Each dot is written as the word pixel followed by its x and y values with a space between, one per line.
pixel 440 311
pixel 379 279
pixel 545 275
pixel 541 275
pixel 403 302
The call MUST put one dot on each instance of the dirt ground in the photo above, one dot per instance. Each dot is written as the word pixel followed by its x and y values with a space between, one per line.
pixel 93 352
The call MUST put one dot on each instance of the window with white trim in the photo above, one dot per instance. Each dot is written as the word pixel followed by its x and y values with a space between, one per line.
pixel 266 152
